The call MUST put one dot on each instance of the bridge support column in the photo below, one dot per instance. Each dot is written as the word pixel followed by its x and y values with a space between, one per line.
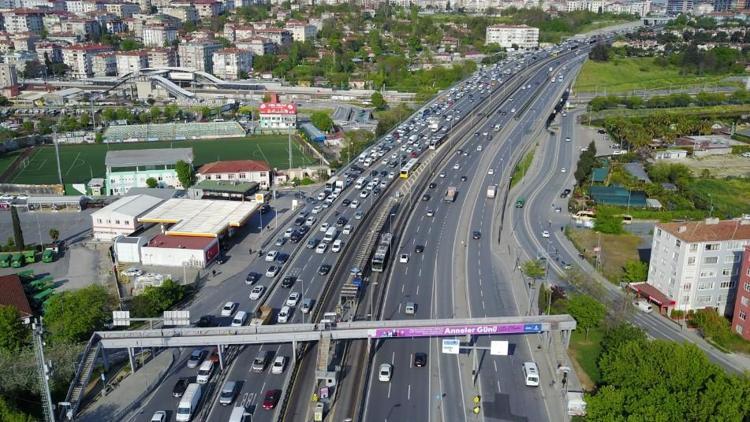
pixel 294 350
pixel 131 358
pixel 220 349
pixel 105 359
pixel 565 338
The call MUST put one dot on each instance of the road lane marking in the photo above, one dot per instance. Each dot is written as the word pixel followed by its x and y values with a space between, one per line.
pixel 417 293
pixel 408 392
pixel 494 363
pixel 389 390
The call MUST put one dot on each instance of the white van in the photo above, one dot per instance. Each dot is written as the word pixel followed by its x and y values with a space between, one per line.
pixel 359 183
pixel 331 234
pixel 643 306
pixel 531 374
pixel 205 371
pixel 239 414
pixel 322 196
pixel 239 319
pixel 336 247
pixel 189 403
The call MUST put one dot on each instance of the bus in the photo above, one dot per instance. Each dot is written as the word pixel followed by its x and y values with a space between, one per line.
pixel 410 166
pixel 585 218
pixel 380 258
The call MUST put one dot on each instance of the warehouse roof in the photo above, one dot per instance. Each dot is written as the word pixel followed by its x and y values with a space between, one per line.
pixel 131 206
pixel 200 217
pixel 227 186
pixel 148 157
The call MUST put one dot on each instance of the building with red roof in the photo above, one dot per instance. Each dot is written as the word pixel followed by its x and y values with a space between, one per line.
pixel 276 116
pixel 14 295
pixel 238 171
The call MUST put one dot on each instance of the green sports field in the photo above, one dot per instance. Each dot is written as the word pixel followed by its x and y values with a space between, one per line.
pixel 80 162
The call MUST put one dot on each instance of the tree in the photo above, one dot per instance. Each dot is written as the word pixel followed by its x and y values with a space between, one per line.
pixel 635 271
pixel 322 121
pixel 13 333
pixel 600 53
pixel 607 222
pixel 8 413
pixel 378 101
pixel 99 138
pixel 620 334
pixel 533 269
pixel 72 316
pixel 587 311
pixel 17 232
pixel 155 300
pixel 152 182
pixel 129 44
pixel 184 174
pixel 54 234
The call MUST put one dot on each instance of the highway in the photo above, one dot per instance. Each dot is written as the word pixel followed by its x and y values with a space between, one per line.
pixel 432 280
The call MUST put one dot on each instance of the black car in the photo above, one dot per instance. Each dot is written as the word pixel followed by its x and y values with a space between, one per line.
pixel 324 269
pixel 346 202
pixel 425 197
pixel 252 278
pixel 282 258
pixel 565 193
pixel 180 386
pixel 299 221
pixel 476 235
pixel 419 248
pixel 383 173
pixel 340 221
pixel 433 185
pixel 288 281
pixel 463 178
pixel 376 191
pixel 303 230
pixel 420 360
pixel 207 321
pixel 295 237
pixel 374 173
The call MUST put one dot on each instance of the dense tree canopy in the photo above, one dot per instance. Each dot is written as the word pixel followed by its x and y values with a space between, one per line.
pixel 73 315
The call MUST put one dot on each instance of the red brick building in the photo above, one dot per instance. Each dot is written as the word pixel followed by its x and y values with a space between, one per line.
pixel 741 316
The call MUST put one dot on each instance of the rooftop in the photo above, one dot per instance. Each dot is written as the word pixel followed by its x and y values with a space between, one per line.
pixel 14 295
pixel 199 217
pixel 148 157
pixel 234 166
pixel 227 186
pixel 180 242
pixel 709 230
pixel 129 205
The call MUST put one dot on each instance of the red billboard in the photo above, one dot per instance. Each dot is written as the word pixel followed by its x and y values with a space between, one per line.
pixel 278 108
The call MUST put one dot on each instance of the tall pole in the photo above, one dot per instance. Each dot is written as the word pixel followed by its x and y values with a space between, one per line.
pixel 57 156
pixel 290 148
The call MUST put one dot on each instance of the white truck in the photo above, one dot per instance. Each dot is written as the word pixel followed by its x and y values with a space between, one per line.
pixel 189 403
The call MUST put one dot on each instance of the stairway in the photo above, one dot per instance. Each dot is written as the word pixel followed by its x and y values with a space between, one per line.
pixel 324 351
pixel 83 374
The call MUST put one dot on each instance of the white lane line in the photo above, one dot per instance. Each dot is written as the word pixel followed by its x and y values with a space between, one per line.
pixel 494 363
pixel 481 293
pixel 408 393
pixel 403 286
pixel 389 390
pixel 482 304
pixel 399 308
pixel 498 387
pixel 420 272
pixel 411 359
pixel 480 282
pixel 417 293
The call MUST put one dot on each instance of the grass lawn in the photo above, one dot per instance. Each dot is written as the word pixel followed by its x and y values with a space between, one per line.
pixel 617 249
pixel 520 171
pixel 712 111
pixel 620 75
pixel 7 159
pixel 584 353
pixel 729 196
pixel 80 162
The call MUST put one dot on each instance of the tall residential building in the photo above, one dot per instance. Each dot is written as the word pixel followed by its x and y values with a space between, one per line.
pixel 79 58
pixel 257 45
pixel 23 20
pixel 230 63
pixel 104 64
pixel 506 36
pixel 197 55
pixel 162 57
pixel 158 35
pixel 696 264
pixel 675 7
pixel 741 315
pixel 301 31
pixel 131 61
pixel 281 37
pixel 8 80
pixel 727 5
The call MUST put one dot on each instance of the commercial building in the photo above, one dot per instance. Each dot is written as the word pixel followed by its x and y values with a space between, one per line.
pixel 277 117
pixel 131 168
pixel 178 251
pixel 507 36
pixel 197 55
pixel 740 320
pixel 202 218
pixel 232 63
pixel 120 218
pixel 697 264
pixel 236 170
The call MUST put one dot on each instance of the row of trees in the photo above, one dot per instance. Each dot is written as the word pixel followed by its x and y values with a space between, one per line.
pixel 167 113
pixel 640 131
pixel 702 99
pixel 586 163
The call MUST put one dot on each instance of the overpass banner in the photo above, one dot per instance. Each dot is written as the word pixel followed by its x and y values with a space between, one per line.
pixel 457 330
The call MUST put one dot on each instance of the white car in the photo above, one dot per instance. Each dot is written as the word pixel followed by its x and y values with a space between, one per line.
pixel 288 232
pixel 746 154
pixel 404 258
pixel 310 221
pixel 321 248
pixel 271 255
pixel 324 227
pixel 257 292
pixel 159 416
pixel 278 365
pixel 292 299
pixel 272 271
pixel 430 213
pixel 228 309
pixel 479 148
pixel 491 171
pixel 283 316
pixel 567 139
pixel 132 272
pixel 545 234
pixel 441 175
pixel 347 229
pixel 354 204
pixel 563 170
pixel 385 372
pixel 336 246
pixel 317 209
pixel 364 194
pixel 456 166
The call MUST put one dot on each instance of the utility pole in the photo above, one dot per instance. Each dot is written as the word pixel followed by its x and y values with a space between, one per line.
pixel 290 148
pixel 57 156
pixel 45 369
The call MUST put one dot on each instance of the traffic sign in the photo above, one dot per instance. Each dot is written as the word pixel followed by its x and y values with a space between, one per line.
pixel 532 328
pixel 177 318
pixel 499 348
pixel 121 318
pixel 451 346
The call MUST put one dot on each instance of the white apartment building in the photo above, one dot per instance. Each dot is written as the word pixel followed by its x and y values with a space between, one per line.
pixel 80 57
pixel 183 13
pixel 197 55
pixel 696 264
pixel 23 20
pixel 301 31
pixel 80 7
pixel 104 64
pixel 258 46
pixel 123 10
pixel 507 35
pixel 229 63
pixel 162 57
pixel 158 35
pixel 131 61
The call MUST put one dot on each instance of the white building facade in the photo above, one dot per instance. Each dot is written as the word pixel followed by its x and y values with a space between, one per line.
pixel 506 36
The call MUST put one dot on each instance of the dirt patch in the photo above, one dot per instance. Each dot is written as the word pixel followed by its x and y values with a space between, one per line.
pixel 718 165
pixel 616 250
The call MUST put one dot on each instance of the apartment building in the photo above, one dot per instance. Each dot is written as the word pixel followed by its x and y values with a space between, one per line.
pixel 197 55
pixel 507 36
pixel 675 7
pixel 123 10
pixel 86 29
pixel 740 320
pixel 80 57
pixel 8 80
pixel 184 13
pixel 23 20
pixel 25 42
pixel 131 61
pixel 301 31
pixel 258 46
pixel 58 5
pixel 158 34
pixel 279 36
pixel 80 7
pixel 697 264
pixel 231 63
pixel 49 51
pixel 104 64
pixel 162 57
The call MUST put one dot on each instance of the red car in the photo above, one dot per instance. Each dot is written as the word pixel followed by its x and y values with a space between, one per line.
pixel 271 399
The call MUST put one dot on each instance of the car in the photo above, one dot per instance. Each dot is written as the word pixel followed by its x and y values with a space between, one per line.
pixel 310 221
pixel 207 321
pixel 270 399
pixel 420 360
pixel 430 212
pixel 340 221
pixel 746 154
pixel 441 175
pixel 364 194
pixel 354 204
pixel 280 241
pixel 336 246
pixel 257 292
pixel 132 272
pixel 358 215
pixel 307 305
pixel 271 255
pixel 228 392
pixel 432 185
pixel 463 178
pixel 563 170
pixel 426 197
pixel 317 209
pixel 476 235
pixel 180 386
pixel 159 416
pixel 288 232
pixel 312 243
pixel 278 365
pixel 229 308
pixel 545 234
pixel 299 221
pixel 272 271
pixel 385 372
pixel 260 362
pixel 558 210
pixel 284 313
pixel 491 171
pixel 321 248
pixel 252 278
pixel 410 308
pixel 456 166
pixel 324 227
pixel 196 358
pixel 404 258
pixel 419 248
pixel 567 139
pixel 324 269
pixel 347 229
pixel 292 299
pixel 346 202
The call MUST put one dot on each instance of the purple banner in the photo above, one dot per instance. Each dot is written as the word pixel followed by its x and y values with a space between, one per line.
pixel 458 330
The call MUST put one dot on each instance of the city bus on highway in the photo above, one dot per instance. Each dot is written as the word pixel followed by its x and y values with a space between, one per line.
pixel 380 258
pixel 410 166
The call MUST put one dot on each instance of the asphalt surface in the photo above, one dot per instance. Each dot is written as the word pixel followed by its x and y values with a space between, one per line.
pixel 430 280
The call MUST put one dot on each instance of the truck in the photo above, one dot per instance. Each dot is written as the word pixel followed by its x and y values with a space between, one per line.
pixel 491 191
pixel 16 260
pixel 434 123
pixel 520 202
pixel 262 316
pixel 29 257
pixel 450 194
pixel 5 260
pixel 48 255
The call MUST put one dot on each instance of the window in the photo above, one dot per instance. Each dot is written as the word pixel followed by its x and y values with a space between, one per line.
pixel 99 220
pixel 705 285
pixel 738 328
pixel 729 271
pixel 707 274
pixel 117 222
pixel 727 284
pixel 687 286
pixel 218 177
pixel 243 176
pixel 230 176
pixel 703 299
pixel 711 260
pixel 743 315
pixel 747 286
pixel 745 301
pixel 691 260
pixel 677 243
pixel 731 259
pixel 693 247
pixel 713 246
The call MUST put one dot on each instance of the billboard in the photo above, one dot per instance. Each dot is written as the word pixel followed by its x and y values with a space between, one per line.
pixel 278 108
pixel 456 330
pixel 181 76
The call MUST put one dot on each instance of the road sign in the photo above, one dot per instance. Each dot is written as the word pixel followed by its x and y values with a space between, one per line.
pixel 176 317
pixel 499 348
pixel 121 318
pixel 532 328
pixel 451 346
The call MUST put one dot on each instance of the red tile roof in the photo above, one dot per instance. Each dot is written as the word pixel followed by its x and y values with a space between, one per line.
pixel 181 242
pixel 234 166
pixel 13 294
pixel 700 231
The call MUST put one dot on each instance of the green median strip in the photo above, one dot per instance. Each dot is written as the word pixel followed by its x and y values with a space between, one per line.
pixel 522 167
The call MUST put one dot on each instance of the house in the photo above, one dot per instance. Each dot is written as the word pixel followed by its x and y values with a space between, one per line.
pixel 14 295
pixel 237 170
pixel 707 145
pixel 670 154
